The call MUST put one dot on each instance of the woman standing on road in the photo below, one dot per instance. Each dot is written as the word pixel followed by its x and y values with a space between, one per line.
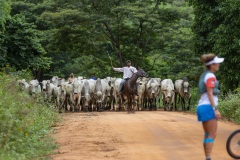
pixel 207 110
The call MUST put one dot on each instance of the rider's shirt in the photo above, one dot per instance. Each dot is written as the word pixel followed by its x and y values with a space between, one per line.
pixel 127 71
pixel 210 82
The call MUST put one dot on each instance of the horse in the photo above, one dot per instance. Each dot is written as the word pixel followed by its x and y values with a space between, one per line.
pixel 129 90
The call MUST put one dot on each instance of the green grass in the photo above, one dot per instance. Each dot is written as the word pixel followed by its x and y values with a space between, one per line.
pixel 229 106
pixel 25 125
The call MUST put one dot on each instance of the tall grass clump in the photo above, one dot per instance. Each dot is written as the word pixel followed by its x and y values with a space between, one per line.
pixel 25 124
pixel 229 106
pixel 195 96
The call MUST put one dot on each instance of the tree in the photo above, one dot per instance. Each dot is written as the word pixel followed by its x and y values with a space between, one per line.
pixel 152 33
pixel 21 46
pixel 216 29
pixel 4 12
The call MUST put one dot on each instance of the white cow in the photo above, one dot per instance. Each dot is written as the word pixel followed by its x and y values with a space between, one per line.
pixel 44 90
pixel 24 86
pixel 110 89
pixel 77 94
pixel 168 93
pixel 118 99
pixel 182 89
pixel 107 91
pixel 49 89
pixel 142 92
pixel 99 94
pixel 88 94
pixel 59 93
pixel 68 89
pixel 153 88
pixel 34 87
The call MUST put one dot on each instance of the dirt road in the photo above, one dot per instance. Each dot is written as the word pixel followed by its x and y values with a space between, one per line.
pixel 146 135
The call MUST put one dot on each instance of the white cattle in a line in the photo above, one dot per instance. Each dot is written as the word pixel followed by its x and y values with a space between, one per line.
pixel 34 87
pixel 88 95
pixel 99 94
pixel 110 98
pixel 68 88
pixel 118 99
pixel 182 89
pixel 24 86
pixel 141 92
pixel 77 94
pixel 59 93
pixel 44 90
pixel 153 88
pixel 168 93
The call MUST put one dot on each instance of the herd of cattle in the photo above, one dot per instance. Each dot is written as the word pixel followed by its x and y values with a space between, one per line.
pixel 103 94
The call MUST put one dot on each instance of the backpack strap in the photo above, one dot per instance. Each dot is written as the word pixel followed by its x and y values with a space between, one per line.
pixel 202 87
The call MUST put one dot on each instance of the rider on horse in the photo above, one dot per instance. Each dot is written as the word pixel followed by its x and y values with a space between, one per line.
pixel 128 71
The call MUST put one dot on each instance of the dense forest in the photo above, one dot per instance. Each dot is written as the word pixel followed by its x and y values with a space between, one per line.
pixel 163 37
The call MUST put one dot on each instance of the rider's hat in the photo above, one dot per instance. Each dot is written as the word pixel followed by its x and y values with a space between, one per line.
pixel 128 61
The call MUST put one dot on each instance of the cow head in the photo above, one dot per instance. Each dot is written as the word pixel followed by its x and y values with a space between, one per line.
pixel 22 84
pixel 168 93
pixel 153 90
pixel 185 86
pixel 44 85
pixel 76 86
pixel 33 86
pixel 141 73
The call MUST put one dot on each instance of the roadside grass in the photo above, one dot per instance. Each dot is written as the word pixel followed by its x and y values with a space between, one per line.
pixel 25 124
pixel 229 106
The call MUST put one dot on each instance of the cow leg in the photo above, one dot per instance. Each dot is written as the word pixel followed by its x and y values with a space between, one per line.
pixel 175 100
pixel 188 108
pixel 155 103
pixel 79 105
pixel 100 107
pixel 164 106
pixel 171 107
pixel 183 104
pixel 159 100
pixel 164 102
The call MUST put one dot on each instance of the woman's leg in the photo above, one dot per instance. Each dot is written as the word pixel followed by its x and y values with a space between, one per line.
pixel 210 129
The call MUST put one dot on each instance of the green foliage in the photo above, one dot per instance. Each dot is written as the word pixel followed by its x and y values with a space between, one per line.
pixel 153 34
pixel 216 29
pixel 4 12
pixel 195 96
pixel 25 124
pixel 20 46
pixel 229 107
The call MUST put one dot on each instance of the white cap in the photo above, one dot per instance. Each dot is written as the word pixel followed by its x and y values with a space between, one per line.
pixel 215 60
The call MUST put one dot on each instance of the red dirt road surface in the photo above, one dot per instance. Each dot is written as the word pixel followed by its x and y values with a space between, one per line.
pixel 146 135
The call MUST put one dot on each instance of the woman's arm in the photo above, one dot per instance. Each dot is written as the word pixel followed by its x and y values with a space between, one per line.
pixel 210 96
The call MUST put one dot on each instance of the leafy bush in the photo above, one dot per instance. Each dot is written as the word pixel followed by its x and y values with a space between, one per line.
pixel 229 106
pixel 195 96
pixel 25 123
